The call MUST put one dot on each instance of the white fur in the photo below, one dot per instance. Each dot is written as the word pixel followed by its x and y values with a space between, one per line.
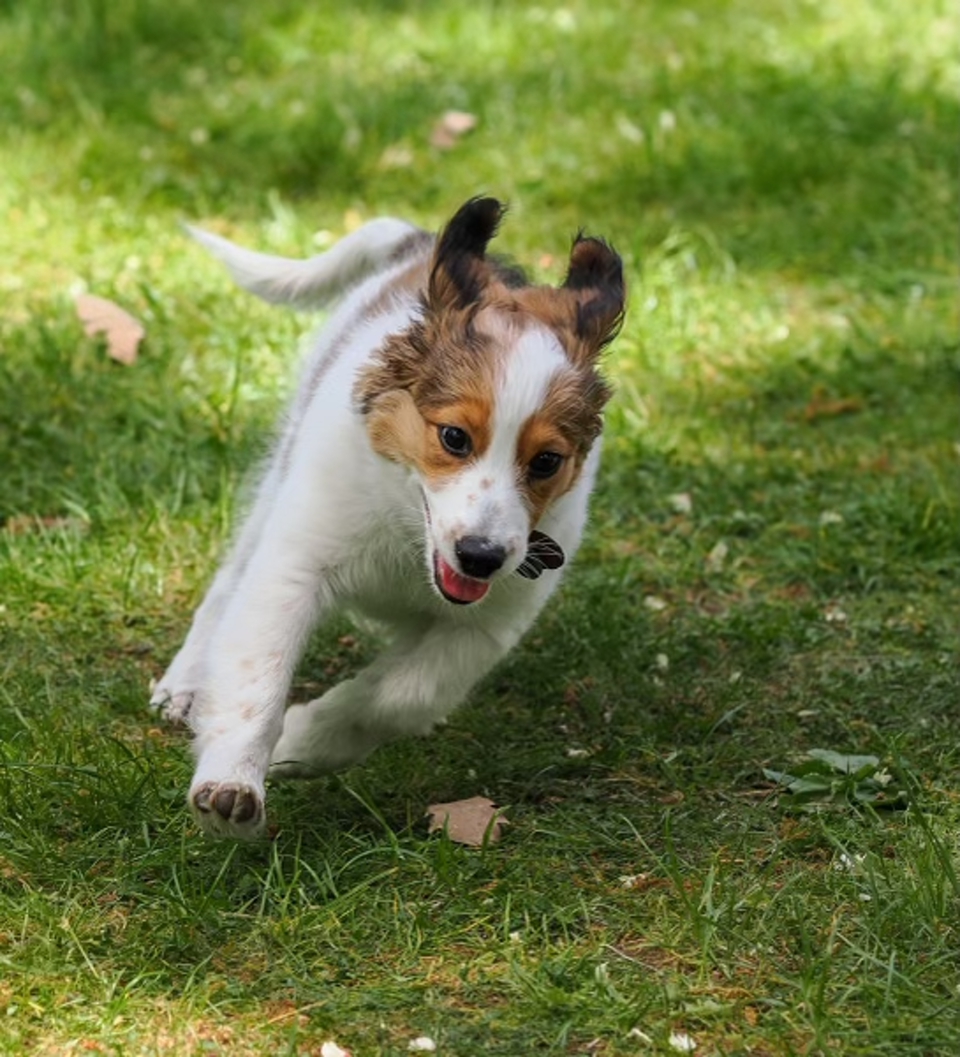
pixel 336 525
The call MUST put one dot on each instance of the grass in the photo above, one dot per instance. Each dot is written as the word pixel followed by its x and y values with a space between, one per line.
pixel 772 565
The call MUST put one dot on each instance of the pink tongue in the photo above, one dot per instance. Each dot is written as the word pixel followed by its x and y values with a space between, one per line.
pixel 462 588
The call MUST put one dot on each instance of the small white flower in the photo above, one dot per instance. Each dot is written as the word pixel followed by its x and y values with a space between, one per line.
pixel 681 1042
pixel 681 502
pixel 423 1044
pixel 662 662
pixel 653 603
pixel 331 1049
pixel 831 517
pixel 847 862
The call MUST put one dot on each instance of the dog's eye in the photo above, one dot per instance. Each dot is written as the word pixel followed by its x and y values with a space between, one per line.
pixel 456 441
pixel 545 464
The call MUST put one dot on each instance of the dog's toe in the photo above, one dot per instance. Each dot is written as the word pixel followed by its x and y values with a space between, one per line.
pixel 228 809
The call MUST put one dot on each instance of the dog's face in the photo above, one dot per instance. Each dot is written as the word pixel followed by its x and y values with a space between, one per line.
pixel 493 398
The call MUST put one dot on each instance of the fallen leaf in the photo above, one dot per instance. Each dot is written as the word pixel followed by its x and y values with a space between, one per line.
pixel 331 1049
pixel 423 1044
pixel 472 822
pixel 20 524
pixel 122 331
pixel 717 557
pixel 681 502
pixel 450 127
pixel 824 406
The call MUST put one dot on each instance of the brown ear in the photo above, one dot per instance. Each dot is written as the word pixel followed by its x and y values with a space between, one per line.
pixel 596 277
pixel 458 274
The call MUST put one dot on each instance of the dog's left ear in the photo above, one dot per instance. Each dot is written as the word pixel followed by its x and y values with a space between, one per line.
pixel 458 273
pixel 595 276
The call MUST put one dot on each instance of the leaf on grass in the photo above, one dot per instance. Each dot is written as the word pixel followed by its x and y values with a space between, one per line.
pixel 822 405
pixel 717 557
pixel 828 777
pixel 450 127
pixel 473 822
pixel 846 764
pixel 122 331
pixel 681 1042
pixel 331 1049
pixel 21 524
pixel 422 1044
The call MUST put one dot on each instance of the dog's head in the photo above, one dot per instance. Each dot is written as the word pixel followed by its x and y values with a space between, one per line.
pixel 493 398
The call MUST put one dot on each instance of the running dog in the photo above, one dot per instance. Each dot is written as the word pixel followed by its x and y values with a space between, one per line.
pixel 432 473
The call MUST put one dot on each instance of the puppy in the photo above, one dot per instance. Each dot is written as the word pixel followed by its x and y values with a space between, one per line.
pixel 432 473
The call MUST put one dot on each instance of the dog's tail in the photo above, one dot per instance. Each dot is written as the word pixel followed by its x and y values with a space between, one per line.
pixel 315 281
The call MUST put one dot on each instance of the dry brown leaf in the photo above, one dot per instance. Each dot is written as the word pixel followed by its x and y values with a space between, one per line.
pixel 822 405
pixel 450 127
pixel 20 524
pixel 471 822
pixel 122 331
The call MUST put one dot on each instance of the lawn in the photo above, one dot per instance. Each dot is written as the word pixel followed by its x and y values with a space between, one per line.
pixel 772 567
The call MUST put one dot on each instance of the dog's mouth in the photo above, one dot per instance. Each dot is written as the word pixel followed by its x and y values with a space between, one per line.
pixel 455 587
pixel 542 553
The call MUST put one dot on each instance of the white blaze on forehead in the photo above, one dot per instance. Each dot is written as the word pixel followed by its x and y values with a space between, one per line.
pixel 522 385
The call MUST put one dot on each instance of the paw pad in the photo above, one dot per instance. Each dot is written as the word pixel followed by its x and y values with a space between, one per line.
pixel 228 808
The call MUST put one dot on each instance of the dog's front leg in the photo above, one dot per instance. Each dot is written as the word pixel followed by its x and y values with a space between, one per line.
pixel 415 684
pixel 239 714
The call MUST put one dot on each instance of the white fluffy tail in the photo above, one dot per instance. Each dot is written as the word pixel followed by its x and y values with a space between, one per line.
pixel 316 280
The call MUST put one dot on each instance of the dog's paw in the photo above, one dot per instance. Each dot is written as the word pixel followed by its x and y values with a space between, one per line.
pixel 229 809
pixel 172 706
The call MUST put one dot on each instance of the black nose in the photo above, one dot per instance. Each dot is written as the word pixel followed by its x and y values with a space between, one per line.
pixel 479 556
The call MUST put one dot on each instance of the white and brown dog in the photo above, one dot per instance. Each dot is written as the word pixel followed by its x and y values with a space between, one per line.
pixel 433 473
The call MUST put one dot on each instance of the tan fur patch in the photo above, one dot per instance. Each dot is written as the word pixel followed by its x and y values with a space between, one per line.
pixel 554 429
pixel 395 427
pixel 400 432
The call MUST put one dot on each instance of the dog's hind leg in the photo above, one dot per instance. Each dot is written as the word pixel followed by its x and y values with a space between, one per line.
pixel 173 694
pixel 410 688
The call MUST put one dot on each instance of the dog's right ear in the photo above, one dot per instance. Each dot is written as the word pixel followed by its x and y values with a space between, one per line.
pixel 458 273
pixel 595 276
